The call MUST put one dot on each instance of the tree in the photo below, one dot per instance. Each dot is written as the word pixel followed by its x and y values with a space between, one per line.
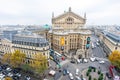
pixel 6 58
pixel 90 77
pixel 17 58
pixel 26 67
pixel 39 62
pixel 114 57
pixel 8 78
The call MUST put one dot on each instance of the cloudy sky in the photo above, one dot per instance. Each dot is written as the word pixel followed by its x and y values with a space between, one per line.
pixel 39 12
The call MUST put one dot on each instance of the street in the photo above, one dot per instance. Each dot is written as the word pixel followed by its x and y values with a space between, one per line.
pixel 97 52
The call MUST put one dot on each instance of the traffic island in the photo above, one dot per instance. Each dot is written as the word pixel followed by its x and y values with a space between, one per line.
pixel 93 74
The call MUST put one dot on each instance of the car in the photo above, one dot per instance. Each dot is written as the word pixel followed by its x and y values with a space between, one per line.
pixel 0 68
pixel 92 59
pixel 91 67
pixel 68 72
pixel 108 75
pixel 60 70
pixel 15 77
pixel 78 61
pixel 116 77
pixel 71 76
pixel 64 71
pixel 77 71
pixel 97 40
pixel 4 67
pixel 27 78
pixel 77 78
pixel 2 76
pixel 9 69
pixel 85 61
pixel 18 74
pixel 97 44
pixel 45 79
pixel 84 78
pixel 93 46
pixel 72 61
pixel 10 74
pixel 101 62
pixel 4 72
pixel 16 70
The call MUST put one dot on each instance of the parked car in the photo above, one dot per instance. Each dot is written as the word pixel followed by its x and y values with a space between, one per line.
pixel 4 72
pixel 4 67
pixel 72 61
pixel 15 77
pixel 27 78
pixel 18 74
pixel 10 74
pixel 101 62
pixel 78 61
pixel 71 76
pixel 97 44
pixel 116 77
pixel 85 61
pixel 2 76
pixel 92 59
pixel 16 70
pixel 77 78
pixel 9 69
pixel 77 71
pixel 0 68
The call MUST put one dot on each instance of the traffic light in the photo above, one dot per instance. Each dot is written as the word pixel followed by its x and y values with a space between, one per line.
pixel 88 38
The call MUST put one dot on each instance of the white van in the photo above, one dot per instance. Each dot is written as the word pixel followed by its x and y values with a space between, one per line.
pixel 93 46
pixel 77 71
pixel 71 76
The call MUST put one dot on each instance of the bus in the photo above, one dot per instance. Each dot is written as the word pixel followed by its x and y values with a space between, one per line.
pixel 58 54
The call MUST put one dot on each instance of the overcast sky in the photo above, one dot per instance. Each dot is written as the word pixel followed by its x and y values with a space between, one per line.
pixel 39 12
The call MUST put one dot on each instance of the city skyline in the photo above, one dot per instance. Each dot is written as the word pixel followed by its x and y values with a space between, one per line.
pixel 39 12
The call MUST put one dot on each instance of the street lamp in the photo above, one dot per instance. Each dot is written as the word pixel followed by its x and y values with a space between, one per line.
pixel 116 46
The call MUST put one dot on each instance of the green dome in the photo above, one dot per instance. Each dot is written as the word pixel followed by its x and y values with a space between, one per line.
pixel 46 26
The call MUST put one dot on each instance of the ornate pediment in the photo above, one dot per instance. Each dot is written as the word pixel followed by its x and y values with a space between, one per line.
pixel 66 15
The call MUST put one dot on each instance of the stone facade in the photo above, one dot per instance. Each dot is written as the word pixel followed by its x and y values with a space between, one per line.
pixel 108 44
pixel 69 26
pixel 25 44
